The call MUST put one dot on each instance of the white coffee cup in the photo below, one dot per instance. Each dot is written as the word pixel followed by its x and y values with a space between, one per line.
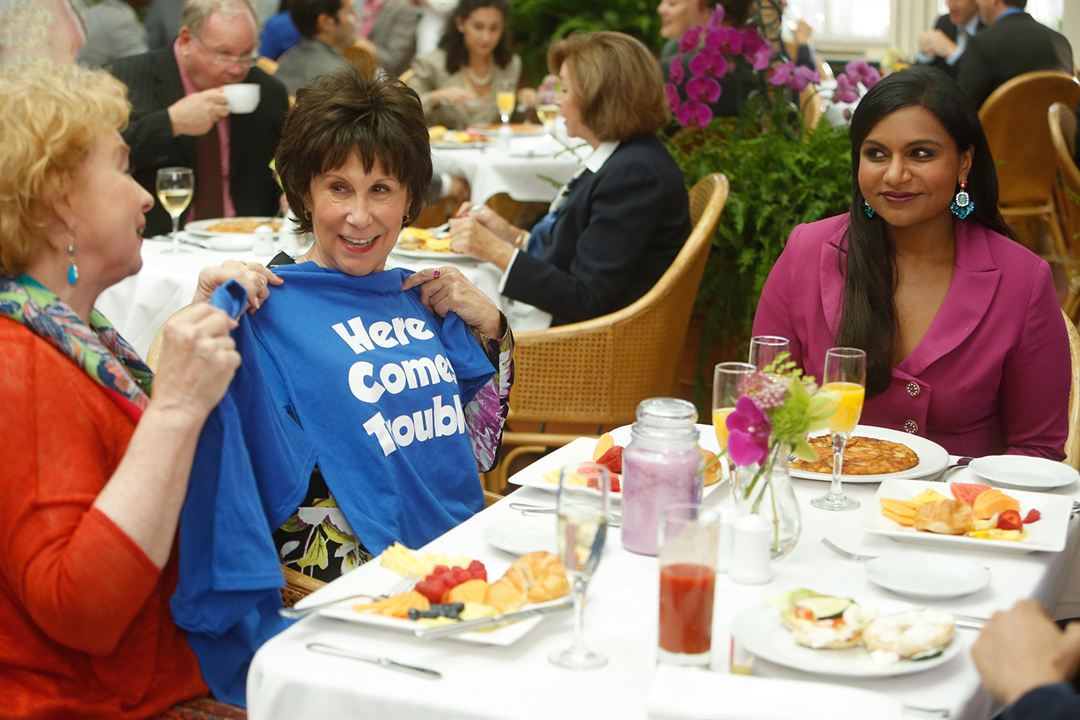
pixel 243 98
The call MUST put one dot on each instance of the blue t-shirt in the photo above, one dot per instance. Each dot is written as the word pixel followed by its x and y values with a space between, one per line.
pixel 278 35
pixel 378 384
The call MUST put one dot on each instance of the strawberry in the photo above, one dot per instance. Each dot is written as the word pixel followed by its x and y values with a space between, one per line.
pixel 612 459
pixel 1032 516
pixel 616 486
pixel 460 575
pixel 432 589
pixel 477 570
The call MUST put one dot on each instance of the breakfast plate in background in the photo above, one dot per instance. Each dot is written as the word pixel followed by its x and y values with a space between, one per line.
pixel 520 534
pixel 932 457
pixel 516 129
pixel 923 575
pixel 231 227
pixel 1021 471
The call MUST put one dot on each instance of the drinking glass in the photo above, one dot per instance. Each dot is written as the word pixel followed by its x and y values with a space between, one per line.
pixel 582 507
pixel 546 109
pixel 845 375
pixel 506 99
pixel 689 542
pixel 175 188
pixel 765 348
pixel 727 376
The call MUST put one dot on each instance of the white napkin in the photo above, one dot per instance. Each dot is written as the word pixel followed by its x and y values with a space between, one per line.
pixel 692 694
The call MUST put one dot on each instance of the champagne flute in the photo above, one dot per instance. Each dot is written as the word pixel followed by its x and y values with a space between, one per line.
pixel 175 188
pixel 845 375
pixel 727 377
pixel 765 348
pixel 582 508
pixel 546 109
pixel 506 99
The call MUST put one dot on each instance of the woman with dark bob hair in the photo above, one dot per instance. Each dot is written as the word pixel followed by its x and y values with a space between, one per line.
pixel 613 231
pixel 399 380
pixel 457 83
pixel 964 338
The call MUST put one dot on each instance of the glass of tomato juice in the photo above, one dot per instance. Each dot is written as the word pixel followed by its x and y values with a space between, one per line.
pixel 689 540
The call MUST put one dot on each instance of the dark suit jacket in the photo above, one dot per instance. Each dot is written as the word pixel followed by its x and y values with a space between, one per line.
pixel 945 25
pixel 617 233
pixel 153 81
pixel 1012 46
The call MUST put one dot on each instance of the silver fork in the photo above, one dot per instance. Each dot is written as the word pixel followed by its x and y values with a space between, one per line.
pixel 293 613
pixel 844 553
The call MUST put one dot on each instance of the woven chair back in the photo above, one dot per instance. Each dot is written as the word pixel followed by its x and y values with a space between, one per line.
pixel 1020 140
pixel 1062 124
pixel 1072 444
pixel 362 61
pixel 596 371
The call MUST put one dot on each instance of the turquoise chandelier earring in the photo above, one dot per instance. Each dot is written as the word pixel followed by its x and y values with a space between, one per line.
pixel 867 210
pixel 962 204
pixel 73 269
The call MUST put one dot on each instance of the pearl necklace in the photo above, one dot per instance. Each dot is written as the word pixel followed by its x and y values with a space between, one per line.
pixel 475 80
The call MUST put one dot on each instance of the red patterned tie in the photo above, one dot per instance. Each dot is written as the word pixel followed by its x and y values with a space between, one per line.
pixel 209 201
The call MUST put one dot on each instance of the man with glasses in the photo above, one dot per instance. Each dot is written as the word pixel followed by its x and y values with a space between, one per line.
pixel 180 115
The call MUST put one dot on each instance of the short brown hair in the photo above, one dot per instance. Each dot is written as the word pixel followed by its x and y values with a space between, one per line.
pixel 341 113
pixel 49 119
pixel 617 84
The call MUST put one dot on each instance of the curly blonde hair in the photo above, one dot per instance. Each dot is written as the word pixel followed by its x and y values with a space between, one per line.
pixel 49 119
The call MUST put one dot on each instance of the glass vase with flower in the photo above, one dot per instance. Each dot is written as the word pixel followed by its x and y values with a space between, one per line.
pixel 777 409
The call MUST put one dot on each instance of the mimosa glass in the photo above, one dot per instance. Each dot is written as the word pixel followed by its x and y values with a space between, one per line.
pixel 845 375
pixel 765 348
pixel 506 99
pixel 727 377
pixel 582 508
pixel 175 187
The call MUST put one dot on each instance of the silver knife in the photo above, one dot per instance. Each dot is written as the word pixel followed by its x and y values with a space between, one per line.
pixel 467 625
pixel 387 663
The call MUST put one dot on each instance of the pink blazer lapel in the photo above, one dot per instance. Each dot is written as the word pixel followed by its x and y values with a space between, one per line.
pixel 970 295
pixel 832 267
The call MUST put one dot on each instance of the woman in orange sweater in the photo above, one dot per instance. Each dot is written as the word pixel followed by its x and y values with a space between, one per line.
pixel 95 471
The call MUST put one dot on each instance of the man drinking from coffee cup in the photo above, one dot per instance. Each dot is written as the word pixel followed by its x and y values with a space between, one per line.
pixel 181 116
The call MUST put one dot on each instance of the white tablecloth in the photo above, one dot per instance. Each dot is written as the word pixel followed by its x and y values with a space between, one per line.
pixel 532 169
pixel 138 305
pixel 287 680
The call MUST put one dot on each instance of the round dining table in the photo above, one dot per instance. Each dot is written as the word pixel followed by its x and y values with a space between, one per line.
pixel 288 679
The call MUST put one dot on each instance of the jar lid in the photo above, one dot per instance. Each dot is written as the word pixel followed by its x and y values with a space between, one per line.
pixel 667 418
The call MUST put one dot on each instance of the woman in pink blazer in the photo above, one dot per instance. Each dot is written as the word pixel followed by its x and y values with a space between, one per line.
pixel 964 337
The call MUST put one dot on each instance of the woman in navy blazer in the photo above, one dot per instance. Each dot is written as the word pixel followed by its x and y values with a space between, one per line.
pixel 964 337
pixel 616 228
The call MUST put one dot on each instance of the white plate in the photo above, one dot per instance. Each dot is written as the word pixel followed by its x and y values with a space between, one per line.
pixel 519 534
pixel 199 227
pixel 923 575
pixel 1026 473
pixel 760 631
pixel 516 129
pixel 506 635
pixel 581 450
pixel 1048 534
pixel 446 145
pixel 932 457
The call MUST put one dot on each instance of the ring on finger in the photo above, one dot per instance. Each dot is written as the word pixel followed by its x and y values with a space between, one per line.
pixel 438 272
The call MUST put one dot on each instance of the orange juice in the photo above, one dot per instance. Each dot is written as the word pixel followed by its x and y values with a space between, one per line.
pixel 719 421
pixel 849 409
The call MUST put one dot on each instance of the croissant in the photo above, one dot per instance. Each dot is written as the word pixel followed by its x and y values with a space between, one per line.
pixel 535 577
pixel 947 517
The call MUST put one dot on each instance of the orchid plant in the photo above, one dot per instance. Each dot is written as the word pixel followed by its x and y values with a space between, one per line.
pixel 777 409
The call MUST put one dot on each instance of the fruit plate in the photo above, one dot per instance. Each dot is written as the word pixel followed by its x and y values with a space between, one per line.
pixel 581 449
pixel 761 632
pixel 1048 534
pixel 932 457
pixel 501 636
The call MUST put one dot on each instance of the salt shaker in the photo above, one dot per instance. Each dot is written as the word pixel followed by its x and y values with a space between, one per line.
pixel 728 517
pixel 264 240
pixel 661 466
pixel 750 551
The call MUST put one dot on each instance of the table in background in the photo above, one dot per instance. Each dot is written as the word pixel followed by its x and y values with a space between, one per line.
pixel 287 680
pixel 138 306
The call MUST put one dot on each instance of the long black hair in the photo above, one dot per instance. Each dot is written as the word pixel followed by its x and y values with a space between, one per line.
pixel 868 320
pixel 454 42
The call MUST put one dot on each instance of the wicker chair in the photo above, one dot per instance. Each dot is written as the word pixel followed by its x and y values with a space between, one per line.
pixel 596 371
pixel 1072 444
pixel 362 60
pixel 1063 137
pixel 1020 142
pixel 267 65
pixel 812 107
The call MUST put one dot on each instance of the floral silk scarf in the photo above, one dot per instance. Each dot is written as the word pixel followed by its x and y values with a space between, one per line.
pixel 98 349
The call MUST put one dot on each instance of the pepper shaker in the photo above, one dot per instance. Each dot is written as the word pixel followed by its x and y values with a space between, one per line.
pixel 750 554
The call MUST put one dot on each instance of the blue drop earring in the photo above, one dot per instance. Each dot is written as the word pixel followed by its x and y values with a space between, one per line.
pixel 867 210
pixel 73 269
pixel 962 205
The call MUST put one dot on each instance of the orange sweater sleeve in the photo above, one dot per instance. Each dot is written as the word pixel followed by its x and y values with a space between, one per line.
pixel 78 576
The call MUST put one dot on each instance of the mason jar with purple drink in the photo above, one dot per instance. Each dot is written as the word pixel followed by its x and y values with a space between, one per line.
pixel 661 466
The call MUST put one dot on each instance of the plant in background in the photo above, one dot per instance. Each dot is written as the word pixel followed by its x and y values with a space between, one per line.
pixel 782 174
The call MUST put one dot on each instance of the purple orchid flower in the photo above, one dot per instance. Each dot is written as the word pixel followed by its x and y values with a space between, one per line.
pixel 708 64
pixel 780 74
pixel 672 93
pixel 756 49
pixel 690 40
pixel 861 72
pixel 717 17
pixel 675 70
pixel 724 40
pixel 846 91
pixel 801 77
pixel 703 89
pixel 692 112
pixel 748 428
